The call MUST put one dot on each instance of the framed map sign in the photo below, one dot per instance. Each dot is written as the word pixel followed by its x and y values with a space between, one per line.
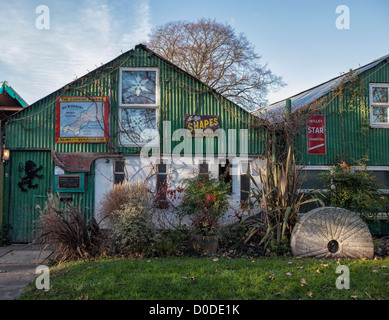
pixel 82 119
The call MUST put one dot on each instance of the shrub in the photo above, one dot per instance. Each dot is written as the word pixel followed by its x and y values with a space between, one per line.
pixel 133 231
pixel 68 231
pixel 278 200
pixel 355 190
pixel 4 240
pixel 115 198
pixel 205 200
pixel 172 243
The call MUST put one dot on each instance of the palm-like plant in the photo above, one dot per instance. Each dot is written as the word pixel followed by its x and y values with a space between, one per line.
pixel 278 198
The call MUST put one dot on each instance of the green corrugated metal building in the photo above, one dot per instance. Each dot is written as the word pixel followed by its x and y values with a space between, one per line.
pixel 354 108
pixel 350 115
pixel 86 136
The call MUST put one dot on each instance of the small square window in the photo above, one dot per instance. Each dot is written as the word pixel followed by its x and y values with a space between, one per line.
pixel 203 168
pixel 138 87
pixel 380 95
pixel 380 114
pixel 138 126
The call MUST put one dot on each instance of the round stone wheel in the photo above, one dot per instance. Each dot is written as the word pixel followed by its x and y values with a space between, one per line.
pixel 332 233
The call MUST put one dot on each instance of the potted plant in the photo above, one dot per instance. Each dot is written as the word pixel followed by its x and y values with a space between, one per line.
pixel 205 200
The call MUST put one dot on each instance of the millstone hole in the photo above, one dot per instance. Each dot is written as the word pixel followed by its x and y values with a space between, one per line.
pixel 333 246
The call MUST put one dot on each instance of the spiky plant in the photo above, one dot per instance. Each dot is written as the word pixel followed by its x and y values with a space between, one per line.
pixel 278 199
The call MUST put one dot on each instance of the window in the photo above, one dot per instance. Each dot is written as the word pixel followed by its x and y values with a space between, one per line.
pixel 379 104
pixel 119 174
pixel 138 106
pixel 203 169
pixel 162 182
pixel 245 182
pixel 225 175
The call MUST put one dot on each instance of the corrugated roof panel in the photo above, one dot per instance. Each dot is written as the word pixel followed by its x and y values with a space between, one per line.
pixel 274 111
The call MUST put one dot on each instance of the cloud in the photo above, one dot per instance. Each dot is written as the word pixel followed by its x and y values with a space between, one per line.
pixel 82 35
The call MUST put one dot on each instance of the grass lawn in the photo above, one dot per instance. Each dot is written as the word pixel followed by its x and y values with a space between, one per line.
pixel 203 278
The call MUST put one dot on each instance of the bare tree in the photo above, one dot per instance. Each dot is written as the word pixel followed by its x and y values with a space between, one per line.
pixel 214 54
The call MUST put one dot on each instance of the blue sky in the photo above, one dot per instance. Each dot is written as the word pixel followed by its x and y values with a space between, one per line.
pixel 297 39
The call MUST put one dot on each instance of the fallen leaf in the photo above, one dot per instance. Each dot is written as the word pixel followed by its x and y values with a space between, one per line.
pixel 310 294
pixel 215 259
pixel 83 297
pixel 369 295
pixel 354 297
pixel 375 271
pixel 193 278
pixel 326 286
pixel 253 261
pixel 148 260
pixel 324 265
pixel 318 271
pixel 277 293
pixel 383 267
pixel 300 267
pixel 184 278
pixel 387 284
pixel 290 262
pixel 217 271
pixel 271 277
pixel 288 274
pixel 303 282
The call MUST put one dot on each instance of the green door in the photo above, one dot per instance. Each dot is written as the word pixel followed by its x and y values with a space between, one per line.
pixel 29 183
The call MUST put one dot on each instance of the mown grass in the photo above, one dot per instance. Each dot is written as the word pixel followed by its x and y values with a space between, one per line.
pixel 203 278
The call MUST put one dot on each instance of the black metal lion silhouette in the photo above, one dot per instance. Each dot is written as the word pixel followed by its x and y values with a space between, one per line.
pixel 31 171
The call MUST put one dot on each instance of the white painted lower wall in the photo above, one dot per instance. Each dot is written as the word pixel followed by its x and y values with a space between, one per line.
pixel 137 170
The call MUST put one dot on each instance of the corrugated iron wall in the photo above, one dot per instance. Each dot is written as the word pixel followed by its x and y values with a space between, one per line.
pixel 348 133
pixel 31 133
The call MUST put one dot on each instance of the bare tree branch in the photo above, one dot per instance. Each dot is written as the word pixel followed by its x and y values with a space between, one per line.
pixel 216 55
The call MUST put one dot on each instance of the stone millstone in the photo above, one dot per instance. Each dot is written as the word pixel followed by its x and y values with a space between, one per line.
pixel 332 233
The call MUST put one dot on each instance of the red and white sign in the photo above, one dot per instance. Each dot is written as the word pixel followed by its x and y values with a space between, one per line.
pixel 316 135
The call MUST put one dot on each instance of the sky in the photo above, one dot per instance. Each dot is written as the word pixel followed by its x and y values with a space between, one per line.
pixel 298 40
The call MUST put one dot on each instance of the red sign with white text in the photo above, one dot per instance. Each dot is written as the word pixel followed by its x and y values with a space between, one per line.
pixel 316 135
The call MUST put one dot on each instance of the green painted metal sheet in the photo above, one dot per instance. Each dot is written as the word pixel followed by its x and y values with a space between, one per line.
pixel 348 133
pixel 31 132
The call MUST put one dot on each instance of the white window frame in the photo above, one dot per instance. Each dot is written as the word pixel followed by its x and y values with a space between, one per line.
pixel 139 106
pixel 372 105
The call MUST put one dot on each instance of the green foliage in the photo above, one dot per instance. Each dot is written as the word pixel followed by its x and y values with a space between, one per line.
pixel 172 243
pixel 278 199
pixel 4 239
pixel 133 231
pixel 184 278
pixel 355 190
pixel 66 229
pixel 205 200
pixel 281 248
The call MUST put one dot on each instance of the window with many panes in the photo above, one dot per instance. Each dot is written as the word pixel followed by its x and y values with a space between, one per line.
pixel 379 104
pixel 138 106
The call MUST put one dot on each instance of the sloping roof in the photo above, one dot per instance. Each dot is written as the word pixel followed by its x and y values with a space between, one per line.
pixel 5 87
pixel 272 111
pixel 151 52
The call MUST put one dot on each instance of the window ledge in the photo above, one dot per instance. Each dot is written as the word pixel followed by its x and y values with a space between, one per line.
pixel 379 125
